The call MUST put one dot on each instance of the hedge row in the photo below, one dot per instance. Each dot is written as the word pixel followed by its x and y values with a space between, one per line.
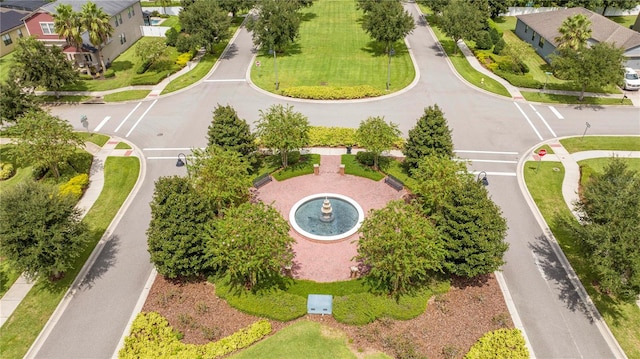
pixel 320 136
pixel 152 337
pixel 6 171
pixel 75 186
pixel 277 305
pixel 150 78
pixel 500 344
pixel 331 92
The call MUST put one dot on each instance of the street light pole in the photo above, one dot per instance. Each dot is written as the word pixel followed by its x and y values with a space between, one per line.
pixel 391 53
pixel 275 65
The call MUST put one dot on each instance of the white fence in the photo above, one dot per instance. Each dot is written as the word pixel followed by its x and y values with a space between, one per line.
pixel 513 11
pixel 154 31
pixel 169 10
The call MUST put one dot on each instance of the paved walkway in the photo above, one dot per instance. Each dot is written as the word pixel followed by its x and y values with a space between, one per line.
pixel 12 298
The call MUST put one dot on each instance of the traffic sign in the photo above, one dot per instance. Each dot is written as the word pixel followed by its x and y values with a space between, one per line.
pixel 542 152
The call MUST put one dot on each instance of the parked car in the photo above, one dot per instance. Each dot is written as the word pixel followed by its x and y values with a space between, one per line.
pixel 631 79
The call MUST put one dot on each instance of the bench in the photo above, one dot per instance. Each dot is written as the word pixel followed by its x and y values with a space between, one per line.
pixel 394 183
pixel 262 180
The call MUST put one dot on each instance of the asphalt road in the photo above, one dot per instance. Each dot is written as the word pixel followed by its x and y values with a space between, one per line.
pixel 493 131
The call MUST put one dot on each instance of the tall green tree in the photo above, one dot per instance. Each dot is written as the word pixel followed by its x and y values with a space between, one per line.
pixel 461 20
pixel 175 236
pixel 431 136
pixel 377 136
pixel 618 4
pixel 597 66
pixel 98 25
pixel 277 24
pixel 150 51
pixel 401 247
pixel 387 22
pixel 206 23
pixel 219 175
pixel 574 33
pixel 436 177
pixel 41 233
pixel 15 100
pixel 229 131
pixel 497 7
pixel 45 140
pixel 435 5
pixel 233 6
pixel 608 229
pixel 40 65
pixel 251 243
pixel 68 24
pixel 283 129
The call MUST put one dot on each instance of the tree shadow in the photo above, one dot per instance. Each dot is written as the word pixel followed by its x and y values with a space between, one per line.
pixel 587 106
pixel 375 48
pixel 308 16
pixel 437 50
pixel 554 272
pixel 105 260
pixel 231 52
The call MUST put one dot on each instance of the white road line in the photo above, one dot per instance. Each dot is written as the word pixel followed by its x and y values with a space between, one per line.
pixel 507 174
pixel 129 115
pixel 162 158
pixel 102 123
pixel 555 112
pixel 543 120
pixel 226 80
pixel 487 152
pixel 488 161
pixel 167 149
pixel 140 119
pixel 528 120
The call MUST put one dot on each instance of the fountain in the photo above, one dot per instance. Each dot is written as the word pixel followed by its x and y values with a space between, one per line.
pixel 326 216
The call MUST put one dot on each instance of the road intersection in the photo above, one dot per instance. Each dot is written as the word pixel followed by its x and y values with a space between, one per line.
pixel 496 133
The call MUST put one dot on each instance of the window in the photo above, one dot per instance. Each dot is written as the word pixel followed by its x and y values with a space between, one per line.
pixel 118 20
pixel 6 39
pixel 526 28
pixel 20 35
pixel 123 38
pixel 533 36
pixel 47 28
pixel 130 11
pixel 541 42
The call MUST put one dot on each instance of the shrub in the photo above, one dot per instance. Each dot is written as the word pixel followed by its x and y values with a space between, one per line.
pixel 293 157
pixel 171 37
pixel 367 158
pixel 184 43
pixel 519 80
pixel 143 67
pixel 75 186
pixel 499 46
pixel 6 171
pixel 501 343
pixel 110 73
pixel 483 41
pixel 152 78
pixel 331 92
pixel 183 59
pixel 331 136
pixel 495 35
pixel 364 308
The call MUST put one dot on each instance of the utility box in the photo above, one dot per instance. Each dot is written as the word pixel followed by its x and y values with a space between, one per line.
pixel 319 304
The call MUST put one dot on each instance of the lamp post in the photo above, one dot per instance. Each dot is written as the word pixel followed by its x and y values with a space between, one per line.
pixel 482 177
pixel 275 66
pixel 391 53
pixel 181 161
pixel 84 121
pixel 546 80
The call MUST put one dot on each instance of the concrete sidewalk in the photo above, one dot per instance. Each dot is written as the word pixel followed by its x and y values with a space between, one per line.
pixel 12 298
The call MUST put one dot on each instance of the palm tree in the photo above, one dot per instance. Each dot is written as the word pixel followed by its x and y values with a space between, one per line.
pixel 574 32
pixel 67 24
pixel 96 22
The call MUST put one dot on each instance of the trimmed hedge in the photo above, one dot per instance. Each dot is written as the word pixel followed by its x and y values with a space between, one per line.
pixel 151 78
pixel 331 136
pixel 152 337
pixel 331 92
pixel 276 304
pixel 500 344
pixel 6 171
pixel 75 186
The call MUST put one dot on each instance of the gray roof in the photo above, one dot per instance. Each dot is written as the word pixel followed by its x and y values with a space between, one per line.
pixel 111 7
pixel 10 19
pixel 602 29
pixel 28 5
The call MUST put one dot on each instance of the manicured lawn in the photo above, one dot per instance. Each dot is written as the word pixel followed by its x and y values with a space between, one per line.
pixel 63 99
pixel 303 167
pixel 608 143
pixel 334 50
pixel 122 146
pixel 304 339
pixel 353 167
pixel 22 173
pixel 395 169
pixel 598 164
pixel 126 95
pixel 172 21
pixel 7 277
pixel 201 70
pixel 626 21
pixel 22 328
pixel 96 138
pixel 572 99
pixel 545 187
pixel 6 62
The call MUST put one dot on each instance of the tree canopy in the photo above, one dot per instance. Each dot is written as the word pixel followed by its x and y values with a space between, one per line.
pixel 283 129
pixel 435 179
pixel 41 233
pixel 98 24
pixel 400 247
pixel 45 140
pixel 387 22
pixel 377 136
pixel 15 100
pixel 430 136
pixel 230 132
pixel 277 24
pixel 461 19
pixel 206 23
pixel 574 32
pixel 251 243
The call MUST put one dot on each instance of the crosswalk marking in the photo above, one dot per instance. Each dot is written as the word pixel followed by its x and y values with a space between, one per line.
pixel 555 112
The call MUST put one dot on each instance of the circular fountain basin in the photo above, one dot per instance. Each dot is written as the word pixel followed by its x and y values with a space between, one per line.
pixel 305 217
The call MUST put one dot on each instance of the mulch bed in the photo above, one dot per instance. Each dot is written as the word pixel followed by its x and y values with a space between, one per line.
pixel 452 323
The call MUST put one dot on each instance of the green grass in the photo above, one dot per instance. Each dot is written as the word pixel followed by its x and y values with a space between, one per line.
pixel 606 143
pixel 545 147
pixel 22 173
pixel 172 21
pixel 304 339
pixel 64 99
pixel 598 164
pixel 201 70
pixel 545 187
pixel 156 3
pixel 6 62
pixel 7 277
pixel 126 95
pixel 24 325
pixel 395 169
pixel 303 167
pixel 122 146
pixel 572 99
pixel 355 168
pixel 625 21
pixel 334 50
pixel 96 138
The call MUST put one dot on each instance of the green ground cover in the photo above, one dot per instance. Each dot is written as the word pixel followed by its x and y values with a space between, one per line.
pixel 64 98
pixel 304 339
pixel 353 167
pixel 126 95
pixel 334 50
pixel 172 21
pixel 395 169
pixel 24 325
pixel 626 21
pixel 607 143
pixel 7 277
pixel 303 167
pixel 6 62
pixel 573 99
pixel 96 138
pixel 122 146
pixel 596 165
pixel 545 186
